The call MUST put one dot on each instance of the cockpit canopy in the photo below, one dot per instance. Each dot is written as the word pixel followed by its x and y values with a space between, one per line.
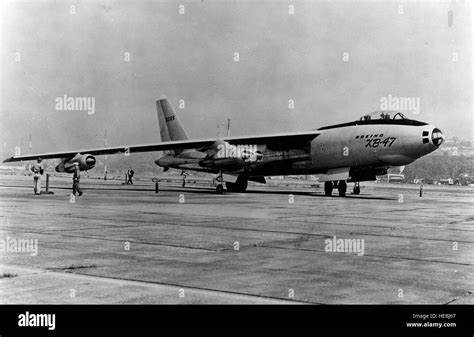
pixel 383 115
pixel 380 117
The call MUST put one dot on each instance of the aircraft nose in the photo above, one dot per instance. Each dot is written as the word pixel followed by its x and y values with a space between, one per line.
pixel 437 137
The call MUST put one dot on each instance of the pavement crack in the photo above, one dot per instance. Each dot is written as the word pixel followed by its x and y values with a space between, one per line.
pixel 466 294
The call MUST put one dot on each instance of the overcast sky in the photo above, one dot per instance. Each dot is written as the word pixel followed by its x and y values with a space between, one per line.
pixel 50 49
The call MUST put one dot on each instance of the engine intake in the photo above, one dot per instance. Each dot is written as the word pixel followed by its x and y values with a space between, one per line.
pixel 86 162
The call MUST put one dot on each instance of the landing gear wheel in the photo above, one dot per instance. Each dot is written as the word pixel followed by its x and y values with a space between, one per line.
pixel 342 188
pixel 328 188
pixel 356 190
pixel 239 186
pixel 219 187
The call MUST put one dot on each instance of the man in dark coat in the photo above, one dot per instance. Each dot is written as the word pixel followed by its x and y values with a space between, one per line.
pixel 130 173
pixel 76 177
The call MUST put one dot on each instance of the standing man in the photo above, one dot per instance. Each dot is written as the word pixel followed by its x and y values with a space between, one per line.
pixel 76 177
pixel 130 173
pixel 38 171
pixel 184 174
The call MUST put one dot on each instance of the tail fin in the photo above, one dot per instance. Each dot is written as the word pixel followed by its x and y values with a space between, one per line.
pixel 170 126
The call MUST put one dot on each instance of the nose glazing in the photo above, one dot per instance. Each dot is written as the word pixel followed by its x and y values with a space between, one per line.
pixel 437 137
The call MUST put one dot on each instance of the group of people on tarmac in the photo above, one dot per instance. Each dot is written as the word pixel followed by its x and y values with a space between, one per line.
pixel 38 170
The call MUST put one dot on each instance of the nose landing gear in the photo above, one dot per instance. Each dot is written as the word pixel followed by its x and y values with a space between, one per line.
pixel 220 180
pixel 342 188
pixel 356 189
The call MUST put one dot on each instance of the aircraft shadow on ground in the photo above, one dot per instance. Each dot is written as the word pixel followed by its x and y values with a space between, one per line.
pixel 204 190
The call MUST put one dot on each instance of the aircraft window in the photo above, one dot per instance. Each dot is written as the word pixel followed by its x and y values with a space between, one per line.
pixel 384 115
pixel 357 137
pixel 381 135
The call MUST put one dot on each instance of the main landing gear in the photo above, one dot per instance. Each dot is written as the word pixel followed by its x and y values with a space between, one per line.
pixel 341 186
pixel 220 180
pixel 239 186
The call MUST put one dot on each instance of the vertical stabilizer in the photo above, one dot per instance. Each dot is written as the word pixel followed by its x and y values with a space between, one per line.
pixel 170 126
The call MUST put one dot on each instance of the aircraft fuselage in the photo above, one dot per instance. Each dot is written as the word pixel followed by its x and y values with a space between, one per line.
pixel 354 146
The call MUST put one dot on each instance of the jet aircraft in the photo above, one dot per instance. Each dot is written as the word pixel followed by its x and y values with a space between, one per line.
pixel 353 151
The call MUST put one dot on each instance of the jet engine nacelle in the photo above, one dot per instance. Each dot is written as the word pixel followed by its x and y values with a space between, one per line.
pixel 224 164
pixel 85 161
pixel 228 157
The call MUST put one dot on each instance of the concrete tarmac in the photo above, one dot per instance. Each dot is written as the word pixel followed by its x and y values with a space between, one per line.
pixel 125 244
